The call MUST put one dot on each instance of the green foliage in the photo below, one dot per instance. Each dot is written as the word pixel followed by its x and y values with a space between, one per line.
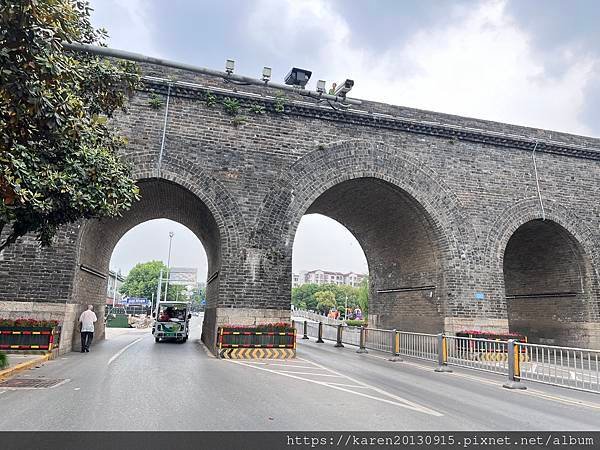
pixel 257 109
pixel 142 281
pixel 356 323
pixel 211 99
pixel 325 300
pixel 59 158
pixel 231 105
pixel 3 361
pixel 362 297
pixel 303 297
pixel 154 101
pixel 279 103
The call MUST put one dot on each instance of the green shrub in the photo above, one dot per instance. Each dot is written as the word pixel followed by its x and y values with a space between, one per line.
pixel 356 323
pixel 3 361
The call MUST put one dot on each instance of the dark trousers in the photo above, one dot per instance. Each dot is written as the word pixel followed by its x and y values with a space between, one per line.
pixel 86 339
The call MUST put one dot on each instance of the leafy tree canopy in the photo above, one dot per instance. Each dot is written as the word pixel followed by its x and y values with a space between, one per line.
pixel 304 296
pixel 142 281
pixel 325 300
pixel 58 156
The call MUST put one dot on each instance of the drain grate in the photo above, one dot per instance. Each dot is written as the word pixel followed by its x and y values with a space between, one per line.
pixel 31 383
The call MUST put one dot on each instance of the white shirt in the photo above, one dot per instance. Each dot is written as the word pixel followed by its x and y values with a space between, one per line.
pixel 87 319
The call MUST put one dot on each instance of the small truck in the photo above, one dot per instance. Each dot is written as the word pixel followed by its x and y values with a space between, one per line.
pixel 171 321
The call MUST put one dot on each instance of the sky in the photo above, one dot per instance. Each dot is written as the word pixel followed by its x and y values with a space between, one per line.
pixel 528 62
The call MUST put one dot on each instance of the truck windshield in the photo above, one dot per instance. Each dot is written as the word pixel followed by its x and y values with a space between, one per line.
pixel 171 313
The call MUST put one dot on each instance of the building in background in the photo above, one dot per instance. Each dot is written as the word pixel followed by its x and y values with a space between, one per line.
pixel 114 279
pixel 327 277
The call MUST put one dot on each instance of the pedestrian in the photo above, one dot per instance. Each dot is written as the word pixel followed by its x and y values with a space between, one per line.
pixel 86 323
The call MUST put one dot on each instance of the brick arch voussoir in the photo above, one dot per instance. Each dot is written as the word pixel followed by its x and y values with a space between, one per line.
pixel 323 168
pixel 526 210
pixel 210 191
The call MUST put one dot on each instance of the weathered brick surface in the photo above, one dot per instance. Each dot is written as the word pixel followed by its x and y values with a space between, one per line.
pixel 434 200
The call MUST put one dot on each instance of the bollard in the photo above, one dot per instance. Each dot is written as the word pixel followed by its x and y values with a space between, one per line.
pixel 442 354
pixel 514 367
pixel 395 347
pixel 363 341
pixel 339 336
pixel 320 336
pixel 305 330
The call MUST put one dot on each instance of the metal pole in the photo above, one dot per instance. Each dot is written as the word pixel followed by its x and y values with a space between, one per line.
pixel 168 264
pixel 395 347
pixel 320 336
pixel 305 329
pixel 339 336
pixel 105 51
pixel 442 354
pixel 346 308
pixel 158 289
pixel 514 367
pixel 363 341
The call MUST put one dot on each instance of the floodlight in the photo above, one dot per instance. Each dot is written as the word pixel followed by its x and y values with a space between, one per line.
pixel 321 86
pixel 266 73
pixel 298 77
pixel 229 66
pixel 343 88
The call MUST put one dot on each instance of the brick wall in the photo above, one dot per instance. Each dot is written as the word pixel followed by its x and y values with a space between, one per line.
pixel 432 204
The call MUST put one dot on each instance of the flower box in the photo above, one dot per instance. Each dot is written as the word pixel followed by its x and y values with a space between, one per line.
pixel 486 346
pixel 28 334
pixel 276 335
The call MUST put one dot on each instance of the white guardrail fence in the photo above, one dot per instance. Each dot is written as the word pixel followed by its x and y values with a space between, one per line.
pixel 575 368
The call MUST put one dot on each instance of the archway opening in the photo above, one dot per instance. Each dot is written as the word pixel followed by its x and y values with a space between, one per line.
pixel 545 283
pixel 160 199
pixel 139 265
pixel 402 247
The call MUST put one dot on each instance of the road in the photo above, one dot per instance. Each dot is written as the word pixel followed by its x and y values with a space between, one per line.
pixel 131 383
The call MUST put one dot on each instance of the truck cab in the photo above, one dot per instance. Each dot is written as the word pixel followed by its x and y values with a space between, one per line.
pixel 171 321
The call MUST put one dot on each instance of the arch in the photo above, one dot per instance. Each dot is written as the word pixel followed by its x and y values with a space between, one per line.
pixel 330 178
pixel 547 269
pixel 191 202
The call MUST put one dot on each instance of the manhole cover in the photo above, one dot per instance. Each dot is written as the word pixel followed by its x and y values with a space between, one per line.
pixel 31 383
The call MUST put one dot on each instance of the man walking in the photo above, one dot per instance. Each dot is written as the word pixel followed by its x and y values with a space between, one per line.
pixel 86 320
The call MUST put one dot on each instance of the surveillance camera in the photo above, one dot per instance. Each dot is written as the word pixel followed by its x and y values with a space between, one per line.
pixel 343 88
pixel 321 86
pixel 298 77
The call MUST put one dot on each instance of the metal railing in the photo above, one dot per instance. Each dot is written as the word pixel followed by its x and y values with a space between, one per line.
pixel 378 339
pixel 576 368
pixel 316 317
pixel 418 345
pixel 482 354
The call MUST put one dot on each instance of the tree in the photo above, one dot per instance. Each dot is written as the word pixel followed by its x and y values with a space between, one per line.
pixel 142 281
pixel 363 296
pixel 58 156
pixel 325 300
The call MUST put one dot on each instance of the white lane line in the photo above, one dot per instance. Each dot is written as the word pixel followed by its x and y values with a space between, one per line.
pixel 402 403
pixel 310 373
pixel 355 386
pixel 529 391
pixel 2 392
pixel 294 366
pixel 120 352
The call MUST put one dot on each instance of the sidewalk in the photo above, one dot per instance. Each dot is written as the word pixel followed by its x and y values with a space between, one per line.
pixel 19 363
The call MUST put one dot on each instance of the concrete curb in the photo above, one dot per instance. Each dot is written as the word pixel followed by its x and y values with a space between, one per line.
pixel 7 373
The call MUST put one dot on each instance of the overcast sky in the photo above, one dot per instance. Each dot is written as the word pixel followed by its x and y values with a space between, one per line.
pixel 529 62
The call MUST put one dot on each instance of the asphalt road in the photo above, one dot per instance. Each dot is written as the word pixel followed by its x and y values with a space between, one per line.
pixel 131 383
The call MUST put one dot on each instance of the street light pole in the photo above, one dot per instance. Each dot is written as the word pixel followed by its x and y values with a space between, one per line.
pixel 171 234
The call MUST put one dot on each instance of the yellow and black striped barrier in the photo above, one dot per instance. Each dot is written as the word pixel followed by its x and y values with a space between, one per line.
pixel 499 356
pixel 257 353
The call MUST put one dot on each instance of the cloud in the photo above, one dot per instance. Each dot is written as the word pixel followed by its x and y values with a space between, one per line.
pixel 130 24
pixel 481 64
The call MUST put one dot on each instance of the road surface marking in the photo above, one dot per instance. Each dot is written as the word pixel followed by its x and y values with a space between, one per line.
pixel 2 392
pixel 310 373
pixel 528 391
pixel 120 352
pixel 348 385
pixel 398 401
